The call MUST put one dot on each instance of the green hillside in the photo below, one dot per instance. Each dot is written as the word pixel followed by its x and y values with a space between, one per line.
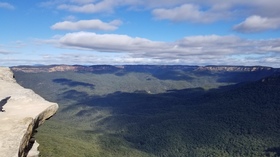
pixel 159 113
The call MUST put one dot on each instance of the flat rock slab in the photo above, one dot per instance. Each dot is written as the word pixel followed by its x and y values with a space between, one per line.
pixel 21 112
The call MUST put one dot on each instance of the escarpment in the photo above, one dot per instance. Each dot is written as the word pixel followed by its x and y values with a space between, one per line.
pixel 21 112
pixel 111 68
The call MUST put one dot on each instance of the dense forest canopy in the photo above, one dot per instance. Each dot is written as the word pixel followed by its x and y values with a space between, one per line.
pixel 158 110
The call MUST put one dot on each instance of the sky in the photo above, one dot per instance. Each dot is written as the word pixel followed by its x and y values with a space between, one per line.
pixel 119 32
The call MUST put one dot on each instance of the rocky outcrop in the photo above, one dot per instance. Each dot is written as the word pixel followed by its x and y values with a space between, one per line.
pixel 22 111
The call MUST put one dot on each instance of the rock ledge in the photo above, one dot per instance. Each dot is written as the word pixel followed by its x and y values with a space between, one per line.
pixel 21 112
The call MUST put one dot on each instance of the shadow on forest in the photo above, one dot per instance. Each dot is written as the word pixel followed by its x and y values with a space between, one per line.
pixel 238 77
pixel 158 123
pixel 134 113
pixel 71 83
pixel 150 122
pixel 275 150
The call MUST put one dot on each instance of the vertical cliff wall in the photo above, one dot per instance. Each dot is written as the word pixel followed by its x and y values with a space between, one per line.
pixel 21 112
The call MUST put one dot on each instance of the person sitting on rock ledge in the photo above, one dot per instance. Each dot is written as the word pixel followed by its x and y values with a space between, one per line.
pixel 3 102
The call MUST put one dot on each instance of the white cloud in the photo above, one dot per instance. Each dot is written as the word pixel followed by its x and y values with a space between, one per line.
pixel 189 12
pixel 102 6
pixel 212 46
pixel 94 24
pixel 184 12
pixel 215 10
pixel 257 24
pixel 109 42
pixel 6 5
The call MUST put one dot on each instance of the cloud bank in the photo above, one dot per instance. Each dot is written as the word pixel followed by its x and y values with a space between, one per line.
pixel 94 24
pixel 86 7
pixel 193 45
pixel 210 49
pixel 189 12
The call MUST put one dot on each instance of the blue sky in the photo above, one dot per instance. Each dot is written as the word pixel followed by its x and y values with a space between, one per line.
pixel 190 32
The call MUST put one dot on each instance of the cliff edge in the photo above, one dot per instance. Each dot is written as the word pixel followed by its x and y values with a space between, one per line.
pixel 21 112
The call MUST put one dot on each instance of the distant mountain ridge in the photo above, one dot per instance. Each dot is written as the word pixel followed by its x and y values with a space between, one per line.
pixel 101 68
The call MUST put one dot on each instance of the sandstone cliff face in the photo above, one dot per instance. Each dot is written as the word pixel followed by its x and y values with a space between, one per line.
pixel 21 112
pixel 61 68
pixel 234 68
pixel 102 68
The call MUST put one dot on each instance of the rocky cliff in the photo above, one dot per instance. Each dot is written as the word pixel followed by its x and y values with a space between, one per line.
pixel 111 68
pixel 21 112
pixel 235 68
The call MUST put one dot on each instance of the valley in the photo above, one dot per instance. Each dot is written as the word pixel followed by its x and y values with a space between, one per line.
pixel 148 110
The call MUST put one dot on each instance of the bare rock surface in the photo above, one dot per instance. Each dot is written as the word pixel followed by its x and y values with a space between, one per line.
pixel 22 111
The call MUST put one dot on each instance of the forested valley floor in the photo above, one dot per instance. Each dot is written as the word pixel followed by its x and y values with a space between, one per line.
pixel 159 112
